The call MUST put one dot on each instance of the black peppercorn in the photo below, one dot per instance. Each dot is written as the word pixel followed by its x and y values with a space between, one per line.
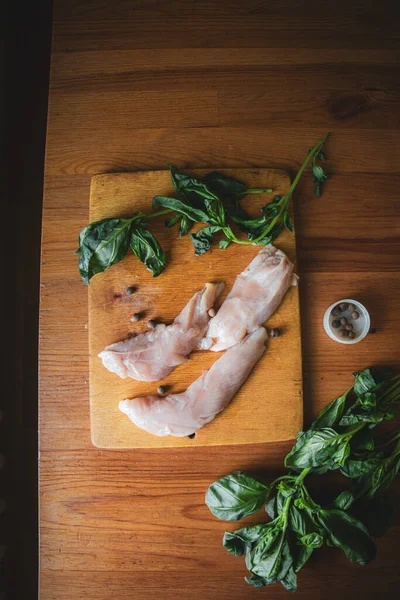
pixel 343 321
pixel 355 315
pixel 336 324
pixel 349 327
pixel 336 311
pixel 274 333
pixel 351 335
pixel 343 306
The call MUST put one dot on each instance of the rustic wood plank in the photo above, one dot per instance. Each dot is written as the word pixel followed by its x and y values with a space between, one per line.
pixel 82 70
pixel 142 109
pixel 144 586
pixel 99 151
pixel 82 26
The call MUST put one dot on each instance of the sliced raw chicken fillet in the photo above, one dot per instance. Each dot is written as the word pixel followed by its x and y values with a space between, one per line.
pixel 254 297
pixel 183 414
pixel 153 355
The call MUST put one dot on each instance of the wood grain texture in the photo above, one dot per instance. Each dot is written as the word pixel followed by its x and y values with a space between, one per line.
pixel 132 524
pixel 245 420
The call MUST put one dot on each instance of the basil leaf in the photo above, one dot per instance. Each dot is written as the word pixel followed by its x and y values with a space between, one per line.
pixel 312 540
pixel 287 221
pixel 239 542
pixel 275 559
pixel 102 244
pixel 289 582
pixel 202 240
pixel 225 187
pixel 273 208
pixel 194 190
pixel 362 441
pixel 368 379
pixel 323 448
pixel 256 581
pixel 223 244
pixel 330 415
pixel 195 214
pixel 235 496
pixel 368 400
pixel 186 225
pixel 173 221
pixel 216 212
pixel 301 520
pixel 349 534
pixel 148 250
pixel 301 554
pixel 383 474
pixel 344 500
pixel 354 468
pixel 275 505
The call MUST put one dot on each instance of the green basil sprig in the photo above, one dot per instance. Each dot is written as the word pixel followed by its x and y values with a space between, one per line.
pixel 277 550
pixel 213 200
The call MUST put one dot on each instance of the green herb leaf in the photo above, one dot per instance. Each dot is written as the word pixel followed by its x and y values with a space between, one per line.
pixel 145 246
pixel 191 188
pixel 256 581
pixel 173 221
pixel 344 500
pixel 195 214
pixel 235 496
pixel 223 244
pixel 226 188
pixel 349 534
pixel 289 582
pixel 287 221
pixel 323 448
pixel 312 540
pixel 202 240
pixel 102 244
pixel 275 559
pixel 186 225
pixel 239 542
pixel 331 414
pixel 368 379
pixel 216 212
pixel 360 467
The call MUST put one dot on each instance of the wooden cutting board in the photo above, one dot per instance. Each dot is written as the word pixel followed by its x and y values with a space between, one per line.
pixel 269 406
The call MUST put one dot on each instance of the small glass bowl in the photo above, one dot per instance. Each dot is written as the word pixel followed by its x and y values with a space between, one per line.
pixel 361 325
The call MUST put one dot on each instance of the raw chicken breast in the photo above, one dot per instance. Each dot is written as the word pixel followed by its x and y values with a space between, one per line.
pixel 153 355
pixel 254 297
pixel 183 414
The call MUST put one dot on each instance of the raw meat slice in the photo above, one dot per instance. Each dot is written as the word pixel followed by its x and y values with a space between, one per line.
pixel 254 297
pixel 153 355
pixel 183 414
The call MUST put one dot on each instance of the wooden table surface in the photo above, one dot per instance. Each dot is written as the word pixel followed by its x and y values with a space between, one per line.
pixel 211 84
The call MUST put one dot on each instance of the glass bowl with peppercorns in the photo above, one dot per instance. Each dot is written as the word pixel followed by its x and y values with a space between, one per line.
pixel 347 321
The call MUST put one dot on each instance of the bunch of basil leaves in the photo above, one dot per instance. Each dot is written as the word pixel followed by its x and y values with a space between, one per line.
pixel 213 200
pixel 340 438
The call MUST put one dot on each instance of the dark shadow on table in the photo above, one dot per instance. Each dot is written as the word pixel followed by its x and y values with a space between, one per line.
pixel 27 33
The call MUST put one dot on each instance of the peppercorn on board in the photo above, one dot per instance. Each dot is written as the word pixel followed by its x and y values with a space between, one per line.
pixel 269 406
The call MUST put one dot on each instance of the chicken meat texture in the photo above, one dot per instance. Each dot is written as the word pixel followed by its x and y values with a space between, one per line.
pixel 151 356
pixel 183 414
pixel 254 297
